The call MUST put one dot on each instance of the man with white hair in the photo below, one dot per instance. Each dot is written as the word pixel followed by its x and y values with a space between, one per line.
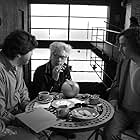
pixel 52 75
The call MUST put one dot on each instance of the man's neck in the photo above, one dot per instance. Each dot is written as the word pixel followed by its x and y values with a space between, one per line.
pixel 13 63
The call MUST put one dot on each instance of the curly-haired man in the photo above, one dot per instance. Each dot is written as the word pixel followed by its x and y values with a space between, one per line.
pixel 125 90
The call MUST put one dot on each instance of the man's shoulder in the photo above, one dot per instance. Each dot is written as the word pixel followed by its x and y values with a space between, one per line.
pixel 2 65
pixel 41 67
pixel 3 71
pixel 3 62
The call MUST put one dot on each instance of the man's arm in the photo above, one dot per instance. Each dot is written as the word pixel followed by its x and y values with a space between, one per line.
pixel 114 89
pixel 5 115
pixel 24 95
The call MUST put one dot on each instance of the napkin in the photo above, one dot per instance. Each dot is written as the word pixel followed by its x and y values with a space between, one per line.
pixel 75 101
pixel 39 119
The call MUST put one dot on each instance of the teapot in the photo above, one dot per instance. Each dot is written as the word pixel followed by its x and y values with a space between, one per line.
pixel 70 89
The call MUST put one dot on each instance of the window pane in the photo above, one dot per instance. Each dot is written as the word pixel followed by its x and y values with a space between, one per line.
pixel 39 57
pixel 89 27
pixel 37 63
pixel 79 35
pixel 52 34
pixel 80 54
pixel 41 53
pixel 85 77
pixel 49 22
pixel 87 23
pixel 58 34
pixel 80 66
pixel 88 11
pixel 49 10
pixel 41 34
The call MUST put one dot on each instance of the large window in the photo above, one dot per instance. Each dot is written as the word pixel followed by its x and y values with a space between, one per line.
pixel 70 23
pixel 67 22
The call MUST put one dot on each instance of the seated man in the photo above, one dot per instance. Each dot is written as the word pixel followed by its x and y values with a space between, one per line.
pixel 125 91
pixel 16 52
pixel 52 75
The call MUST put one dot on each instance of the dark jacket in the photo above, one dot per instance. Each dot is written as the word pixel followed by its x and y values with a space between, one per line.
pixel 43 81
pixel 118 86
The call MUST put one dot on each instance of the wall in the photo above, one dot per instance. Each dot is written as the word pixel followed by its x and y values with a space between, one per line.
pixel 135 10
pixel 13 15
pixel 132 9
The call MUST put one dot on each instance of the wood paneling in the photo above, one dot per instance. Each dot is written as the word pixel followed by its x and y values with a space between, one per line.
pixel 10 14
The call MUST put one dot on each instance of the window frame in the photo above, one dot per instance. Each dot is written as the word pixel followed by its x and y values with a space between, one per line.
pixel 42 45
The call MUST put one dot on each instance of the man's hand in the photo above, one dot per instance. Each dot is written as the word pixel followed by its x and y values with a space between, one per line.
pixel 114 103
pixel 56 71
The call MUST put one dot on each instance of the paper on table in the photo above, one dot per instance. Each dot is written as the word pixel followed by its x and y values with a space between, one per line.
pixel 38 120
pixel 38 105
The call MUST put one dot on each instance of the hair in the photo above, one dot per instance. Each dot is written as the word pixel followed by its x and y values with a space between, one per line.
pixel 59 46
pixel 18 42
pixel 133 36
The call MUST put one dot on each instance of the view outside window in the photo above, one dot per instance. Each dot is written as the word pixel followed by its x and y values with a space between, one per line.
pixel 79 60
pixel 85 21
pixel 52 22
pixel 66 23
pixel 49 21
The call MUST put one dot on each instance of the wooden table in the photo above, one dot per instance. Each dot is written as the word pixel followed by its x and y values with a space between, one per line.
pixel 72 126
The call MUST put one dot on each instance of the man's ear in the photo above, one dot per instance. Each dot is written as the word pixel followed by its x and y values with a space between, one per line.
pixel 18 56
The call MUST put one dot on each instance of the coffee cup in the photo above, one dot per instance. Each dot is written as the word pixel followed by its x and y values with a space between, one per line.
pixel 62 111
pixel 43 95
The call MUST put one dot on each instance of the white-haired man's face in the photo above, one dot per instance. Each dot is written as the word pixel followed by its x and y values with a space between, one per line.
pixel 58 58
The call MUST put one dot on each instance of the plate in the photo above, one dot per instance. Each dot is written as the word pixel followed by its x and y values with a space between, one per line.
pixel 61 102
pixel 48 100
pixel 85 113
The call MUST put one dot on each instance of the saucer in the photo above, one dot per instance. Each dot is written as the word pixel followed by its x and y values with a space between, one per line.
pixel 48 100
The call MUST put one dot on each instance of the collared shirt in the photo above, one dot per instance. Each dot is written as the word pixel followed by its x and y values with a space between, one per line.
pixel 13 91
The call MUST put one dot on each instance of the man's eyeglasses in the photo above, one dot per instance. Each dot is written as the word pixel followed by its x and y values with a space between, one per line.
pixel 59 56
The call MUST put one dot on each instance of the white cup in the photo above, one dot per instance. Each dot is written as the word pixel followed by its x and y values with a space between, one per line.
pixel 43 95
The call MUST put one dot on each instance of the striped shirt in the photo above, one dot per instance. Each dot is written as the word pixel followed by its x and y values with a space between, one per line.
pixel 13 91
